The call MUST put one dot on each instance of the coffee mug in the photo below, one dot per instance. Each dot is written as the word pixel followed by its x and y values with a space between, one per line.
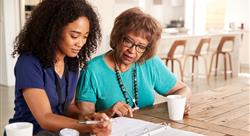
pixel 176 106
pixel 69 132
pixel 19 129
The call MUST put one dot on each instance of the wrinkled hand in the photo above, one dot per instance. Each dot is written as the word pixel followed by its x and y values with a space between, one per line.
pixel 103 128
pixel 121 109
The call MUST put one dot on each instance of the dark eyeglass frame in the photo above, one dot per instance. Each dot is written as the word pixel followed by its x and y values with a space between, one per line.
pixel 129 42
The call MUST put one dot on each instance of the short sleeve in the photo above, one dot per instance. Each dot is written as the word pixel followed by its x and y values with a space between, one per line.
pixel 164 79
pixel 85 87
pixel 28 73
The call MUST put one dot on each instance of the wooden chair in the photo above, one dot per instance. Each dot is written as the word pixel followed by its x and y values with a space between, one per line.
pixel 225 52
pixel 201 50
pixel 174 56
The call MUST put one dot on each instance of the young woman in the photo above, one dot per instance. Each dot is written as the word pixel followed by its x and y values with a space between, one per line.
pixel 56 41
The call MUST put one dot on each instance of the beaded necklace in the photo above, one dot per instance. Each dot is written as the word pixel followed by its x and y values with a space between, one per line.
pixel 123 89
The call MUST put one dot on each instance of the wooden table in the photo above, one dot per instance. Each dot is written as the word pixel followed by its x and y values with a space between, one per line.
pixel 220 112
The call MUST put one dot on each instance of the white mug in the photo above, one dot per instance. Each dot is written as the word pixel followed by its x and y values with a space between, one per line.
pixel 69 132
pixel 176 106
pixel 19 129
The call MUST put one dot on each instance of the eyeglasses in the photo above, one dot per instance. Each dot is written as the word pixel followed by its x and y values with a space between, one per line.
pixel 128 42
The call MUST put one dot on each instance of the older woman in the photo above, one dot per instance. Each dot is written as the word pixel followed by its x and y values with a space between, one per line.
pixel 127 76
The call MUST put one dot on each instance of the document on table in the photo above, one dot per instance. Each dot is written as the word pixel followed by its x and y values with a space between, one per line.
pixel 123 126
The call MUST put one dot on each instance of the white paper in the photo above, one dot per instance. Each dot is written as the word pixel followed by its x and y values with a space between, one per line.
pixel 123 126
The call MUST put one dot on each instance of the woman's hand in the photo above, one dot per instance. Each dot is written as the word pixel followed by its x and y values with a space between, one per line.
pixel 104 127
pixel 97 116
pixel 101 129
pixel 120 109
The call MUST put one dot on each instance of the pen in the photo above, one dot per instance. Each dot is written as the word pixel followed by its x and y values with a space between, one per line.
pixel 90 122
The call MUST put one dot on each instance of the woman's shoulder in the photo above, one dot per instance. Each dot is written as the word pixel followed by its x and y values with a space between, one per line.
pixel 28 64
pixel 153 60
pixel 27 60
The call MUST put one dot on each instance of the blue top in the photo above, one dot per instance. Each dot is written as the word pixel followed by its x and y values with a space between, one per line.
pixel 29 73
pixel 98 83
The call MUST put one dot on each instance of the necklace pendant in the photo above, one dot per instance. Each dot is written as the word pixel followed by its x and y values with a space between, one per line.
pixel 135 105
pixel 136 108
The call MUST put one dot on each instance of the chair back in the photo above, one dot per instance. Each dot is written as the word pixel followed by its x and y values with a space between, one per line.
pixel 203 46
pixel 224 40
pixel 178 44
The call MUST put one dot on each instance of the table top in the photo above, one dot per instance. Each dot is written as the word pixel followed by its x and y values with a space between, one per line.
pixel 219 112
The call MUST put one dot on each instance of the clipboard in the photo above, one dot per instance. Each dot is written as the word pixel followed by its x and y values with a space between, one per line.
pixel 124 126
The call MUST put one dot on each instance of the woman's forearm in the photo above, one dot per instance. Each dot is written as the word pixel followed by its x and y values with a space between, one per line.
pixel 185 91
pixel 86 108
pixel 180 88
pixel 73 111
pixel 63 122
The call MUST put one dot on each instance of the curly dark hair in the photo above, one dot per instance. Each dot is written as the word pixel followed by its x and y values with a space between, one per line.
pixel 42 31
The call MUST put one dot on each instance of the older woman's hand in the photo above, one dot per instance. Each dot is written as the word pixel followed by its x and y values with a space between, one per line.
pixel 120 109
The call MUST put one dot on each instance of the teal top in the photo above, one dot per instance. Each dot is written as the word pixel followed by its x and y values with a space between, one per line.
pixel 98 83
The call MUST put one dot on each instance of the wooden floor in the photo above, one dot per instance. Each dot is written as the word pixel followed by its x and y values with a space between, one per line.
pixel 234 100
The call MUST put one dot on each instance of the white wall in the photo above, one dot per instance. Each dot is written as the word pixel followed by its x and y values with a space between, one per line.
pixel 167 11
pixel 105 11
pixel 195 16
pixel 10 24
pixel 189 15
pixel 155 11
pixel 2 48
pixel 238 12
pixel 200 16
